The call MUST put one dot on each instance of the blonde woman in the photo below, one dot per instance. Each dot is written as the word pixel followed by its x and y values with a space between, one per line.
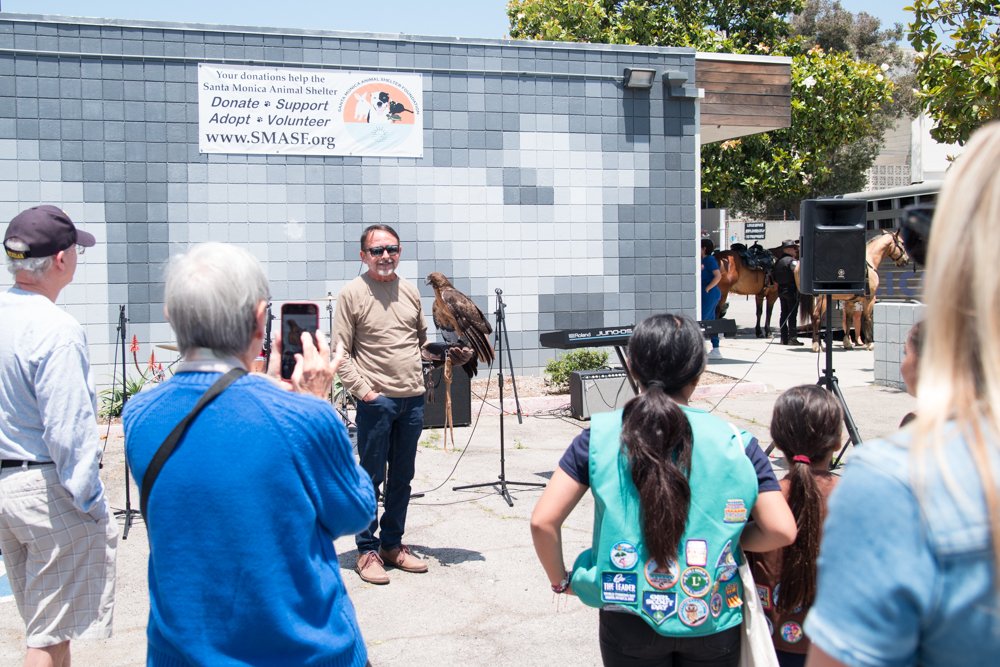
pixel 909 560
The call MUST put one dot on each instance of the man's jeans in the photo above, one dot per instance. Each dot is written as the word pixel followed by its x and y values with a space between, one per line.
pixel 388 431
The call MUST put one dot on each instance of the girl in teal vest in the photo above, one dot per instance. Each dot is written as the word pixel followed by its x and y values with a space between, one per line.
pixel 673 490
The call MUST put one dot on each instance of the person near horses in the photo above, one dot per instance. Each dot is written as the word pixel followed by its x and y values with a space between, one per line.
pixel 711 276
pixel 910 556
pixel 665 578
pixel 788 293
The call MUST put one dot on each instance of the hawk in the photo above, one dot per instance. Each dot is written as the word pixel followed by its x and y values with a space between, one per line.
pixel 458 317
pixel 460 321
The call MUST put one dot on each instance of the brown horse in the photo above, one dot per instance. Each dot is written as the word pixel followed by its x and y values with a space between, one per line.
pixel 738 278
pixel 886 244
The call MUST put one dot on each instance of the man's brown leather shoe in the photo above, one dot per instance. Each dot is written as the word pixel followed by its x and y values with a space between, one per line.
pixel 370 569
pixel 401 558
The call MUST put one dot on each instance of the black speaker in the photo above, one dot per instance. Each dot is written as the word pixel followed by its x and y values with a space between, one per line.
pixel 833 246
pixel 461 398
pixel 598 391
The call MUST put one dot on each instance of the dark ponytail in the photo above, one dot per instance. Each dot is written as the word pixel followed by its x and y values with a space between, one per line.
pixel 806 427
pixel 666 353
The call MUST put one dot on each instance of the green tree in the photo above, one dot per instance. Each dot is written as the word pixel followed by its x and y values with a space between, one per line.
pixel 836 132
pixel 958 64
pixel 826 24
pixel 707 25
pixel 840 106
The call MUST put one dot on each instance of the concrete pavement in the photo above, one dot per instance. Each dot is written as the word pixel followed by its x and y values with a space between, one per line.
pixel 486 599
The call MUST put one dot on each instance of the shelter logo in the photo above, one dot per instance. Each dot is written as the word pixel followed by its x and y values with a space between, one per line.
pixel 380 112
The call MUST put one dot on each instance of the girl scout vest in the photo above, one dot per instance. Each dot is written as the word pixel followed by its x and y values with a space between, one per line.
pixel 700 593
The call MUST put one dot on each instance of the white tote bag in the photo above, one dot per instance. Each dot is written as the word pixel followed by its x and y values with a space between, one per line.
pixel 756 649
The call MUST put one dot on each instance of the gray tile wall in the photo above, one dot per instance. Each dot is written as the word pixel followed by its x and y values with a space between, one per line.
pixel 542 176
pixel 892 324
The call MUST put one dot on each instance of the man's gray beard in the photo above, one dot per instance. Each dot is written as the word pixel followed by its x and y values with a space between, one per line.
pixel 385 273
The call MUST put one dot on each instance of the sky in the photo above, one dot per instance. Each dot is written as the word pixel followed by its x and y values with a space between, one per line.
pixel 454 18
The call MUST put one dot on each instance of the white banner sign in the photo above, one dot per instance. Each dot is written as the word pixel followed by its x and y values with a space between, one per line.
pixel 309 111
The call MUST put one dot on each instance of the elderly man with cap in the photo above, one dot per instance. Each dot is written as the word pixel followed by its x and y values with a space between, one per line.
pixel 788 292
pixel 56 531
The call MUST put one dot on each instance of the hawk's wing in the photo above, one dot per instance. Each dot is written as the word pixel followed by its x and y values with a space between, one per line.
pixel 453 311
pixel 447 325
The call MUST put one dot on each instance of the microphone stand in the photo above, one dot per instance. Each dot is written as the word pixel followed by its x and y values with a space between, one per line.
pixel 501 340
pixel 128 512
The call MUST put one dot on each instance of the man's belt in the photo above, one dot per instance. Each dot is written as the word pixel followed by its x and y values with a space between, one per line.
pixel 13 463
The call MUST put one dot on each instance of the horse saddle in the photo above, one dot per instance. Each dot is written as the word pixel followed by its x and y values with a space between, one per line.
pixel 756 257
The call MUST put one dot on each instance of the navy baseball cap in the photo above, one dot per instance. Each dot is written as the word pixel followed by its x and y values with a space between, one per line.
pixel 47 230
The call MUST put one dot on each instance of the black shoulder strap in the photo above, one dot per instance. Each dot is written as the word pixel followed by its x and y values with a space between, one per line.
pixel 170 444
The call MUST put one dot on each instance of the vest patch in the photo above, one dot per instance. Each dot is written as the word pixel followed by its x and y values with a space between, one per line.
pixel 726 567
pixel 659 606
pixel 791 632
pixel 696 582
pixel 624 555
pixel 736 511
pixel 733 596
pixel 693 612
pixel 619 587
pixel 696 552
pixel 662 578
pixel 715 605
pixel 764 593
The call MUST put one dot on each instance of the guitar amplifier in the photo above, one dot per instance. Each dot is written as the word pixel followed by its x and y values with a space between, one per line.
pixel 598 391
pixel 461 398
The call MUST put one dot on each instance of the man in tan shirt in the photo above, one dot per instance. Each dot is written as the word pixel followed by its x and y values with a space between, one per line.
pixel 380 321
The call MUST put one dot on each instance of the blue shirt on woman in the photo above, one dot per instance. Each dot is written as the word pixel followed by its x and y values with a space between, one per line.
pixel 906 567
pixel 241 524
pixel 709 265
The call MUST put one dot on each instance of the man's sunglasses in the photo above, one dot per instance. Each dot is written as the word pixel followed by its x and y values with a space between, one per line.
pixel 378 250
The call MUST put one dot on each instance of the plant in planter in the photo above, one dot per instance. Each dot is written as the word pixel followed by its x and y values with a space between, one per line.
pixel 558 370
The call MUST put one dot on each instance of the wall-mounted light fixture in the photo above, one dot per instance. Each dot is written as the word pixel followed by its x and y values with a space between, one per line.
pixel 677 85
pixel 639 78
pixel 673 77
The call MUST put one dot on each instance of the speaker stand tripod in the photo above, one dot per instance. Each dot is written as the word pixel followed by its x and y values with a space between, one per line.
pixel 501 344
pixel 829 380
pixel 128 512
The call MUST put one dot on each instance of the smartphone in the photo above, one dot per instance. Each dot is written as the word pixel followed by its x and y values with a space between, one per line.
pixel 296 318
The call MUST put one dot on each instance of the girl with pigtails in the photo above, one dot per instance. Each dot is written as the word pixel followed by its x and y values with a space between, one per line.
pixel 677 493
pixel 806 428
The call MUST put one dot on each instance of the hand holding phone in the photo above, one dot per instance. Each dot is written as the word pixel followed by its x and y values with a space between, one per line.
pixel 296 318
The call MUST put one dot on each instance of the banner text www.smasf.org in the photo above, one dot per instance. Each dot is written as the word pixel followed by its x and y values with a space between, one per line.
pixel 260 138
